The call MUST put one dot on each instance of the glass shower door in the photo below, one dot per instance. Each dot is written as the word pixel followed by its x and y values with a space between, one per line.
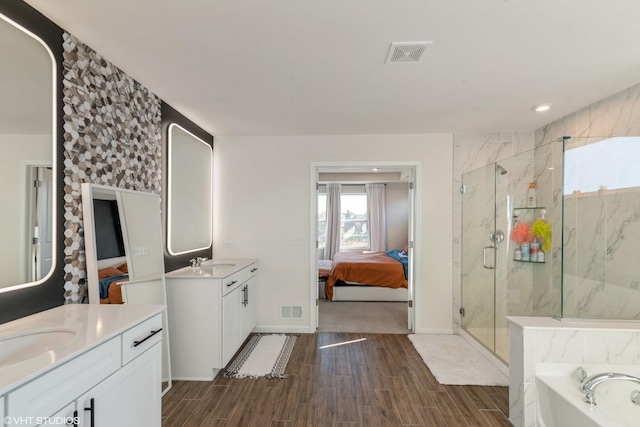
pixel 479 254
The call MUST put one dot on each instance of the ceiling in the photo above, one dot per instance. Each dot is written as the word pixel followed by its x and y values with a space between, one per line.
pixel 303 67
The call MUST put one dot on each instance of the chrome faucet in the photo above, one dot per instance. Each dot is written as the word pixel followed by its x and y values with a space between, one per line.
pixel 197 262
pixel 590 385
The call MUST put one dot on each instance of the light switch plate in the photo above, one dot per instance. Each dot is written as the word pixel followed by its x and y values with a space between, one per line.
pixel 297 241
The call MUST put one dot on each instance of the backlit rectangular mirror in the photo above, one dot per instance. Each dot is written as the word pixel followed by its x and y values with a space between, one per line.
pixel 189 196
pixel 28 161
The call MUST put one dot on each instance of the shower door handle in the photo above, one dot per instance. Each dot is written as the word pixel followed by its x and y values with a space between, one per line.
pixel 484 258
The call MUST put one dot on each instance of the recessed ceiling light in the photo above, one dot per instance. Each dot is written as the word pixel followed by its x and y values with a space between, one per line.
pixel 541 107
pixel 375 169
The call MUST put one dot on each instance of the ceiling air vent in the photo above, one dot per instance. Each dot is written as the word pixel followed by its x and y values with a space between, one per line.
pixel 406 52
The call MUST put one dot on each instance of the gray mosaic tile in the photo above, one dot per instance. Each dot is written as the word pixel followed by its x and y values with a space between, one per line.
pixel 112 136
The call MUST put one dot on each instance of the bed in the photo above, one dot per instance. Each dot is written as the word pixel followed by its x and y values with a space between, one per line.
pixel 110 281
pixel 368 276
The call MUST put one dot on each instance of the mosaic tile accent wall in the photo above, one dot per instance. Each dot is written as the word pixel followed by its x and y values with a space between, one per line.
pixel 112 136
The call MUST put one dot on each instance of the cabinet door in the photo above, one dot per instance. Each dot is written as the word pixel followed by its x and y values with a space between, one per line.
pixel 66 416
pixel 231 324
pixel 47 394
pixel 129 397
pixel 249 314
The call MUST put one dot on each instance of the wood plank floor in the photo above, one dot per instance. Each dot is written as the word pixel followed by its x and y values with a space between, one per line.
pixel 381 381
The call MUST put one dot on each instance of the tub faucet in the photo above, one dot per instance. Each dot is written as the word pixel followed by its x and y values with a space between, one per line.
pixel 197 262
pixel 590 385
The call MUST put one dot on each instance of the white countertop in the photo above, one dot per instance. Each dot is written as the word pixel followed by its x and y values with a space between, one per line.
pixel 206 272
pixel 552 323
pixel 93 324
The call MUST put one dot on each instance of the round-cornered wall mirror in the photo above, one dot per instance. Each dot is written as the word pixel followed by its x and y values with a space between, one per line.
pixel 189 194
pixel 31 135
pixel 187 182
pixel 28 166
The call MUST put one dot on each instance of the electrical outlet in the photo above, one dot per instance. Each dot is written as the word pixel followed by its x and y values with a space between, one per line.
pixel 227 244
pixel 297 241
pixel 140 251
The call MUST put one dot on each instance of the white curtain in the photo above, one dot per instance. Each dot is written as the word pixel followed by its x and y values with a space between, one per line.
pixel 376 202
pixel 332 242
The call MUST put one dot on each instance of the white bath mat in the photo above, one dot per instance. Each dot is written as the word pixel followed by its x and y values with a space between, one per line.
pixel 264 355
pixel 453 361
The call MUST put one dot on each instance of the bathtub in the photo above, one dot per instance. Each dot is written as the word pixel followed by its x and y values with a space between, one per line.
pixel 561 404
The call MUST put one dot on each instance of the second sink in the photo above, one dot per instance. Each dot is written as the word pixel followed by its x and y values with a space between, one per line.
pixel 16 348
pixel 217 266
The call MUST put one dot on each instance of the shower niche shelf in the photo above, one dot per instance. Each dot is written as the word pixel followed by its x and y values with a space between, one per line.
pixel 530 208
pixel 529 262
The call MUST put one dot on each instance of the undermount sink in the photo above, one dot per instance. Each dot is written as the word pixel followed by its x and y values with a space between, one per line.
pixel 19 347
pixel 217 266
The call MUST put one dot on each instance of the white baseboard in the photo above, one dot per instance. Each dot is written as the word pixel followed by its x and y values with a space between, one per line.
pixel 214 373
pixel 266 329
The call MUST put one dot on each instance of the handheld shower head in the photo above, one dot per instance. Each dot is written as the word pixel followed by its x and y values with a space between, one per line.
pixel 500 169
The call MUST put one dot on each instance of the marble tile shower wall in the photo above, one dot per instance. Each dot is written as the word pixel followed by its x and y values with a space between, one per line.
pixel 112 136
pixel 602 230
pixel 547 292
pixel 472 151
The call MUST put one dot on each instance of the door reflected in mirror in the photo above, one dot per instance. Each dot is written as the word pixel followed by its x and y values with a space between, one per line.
pixel 189 196
pixel 27 163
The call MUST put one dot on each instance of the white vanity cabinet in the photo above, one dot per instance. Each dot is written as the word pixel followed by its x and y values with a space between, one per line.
pixel 116 382
pixel 129 397
pixel 238 317
pixel 211 312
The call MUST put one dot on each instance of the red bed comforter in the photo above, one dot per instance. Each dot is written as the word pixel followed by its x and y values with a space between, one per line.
pixel 367 268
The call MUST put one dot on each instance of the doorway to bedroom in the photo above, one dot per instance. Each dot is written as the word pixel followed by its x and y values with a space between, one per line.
pixel 362 265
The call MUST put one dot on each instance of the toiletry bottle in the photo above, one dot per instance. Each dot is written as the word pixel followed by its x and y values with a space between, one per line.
pixel 525 254
pixel 533 251
pixel 531 195
pixel 517 254
pixel 540 256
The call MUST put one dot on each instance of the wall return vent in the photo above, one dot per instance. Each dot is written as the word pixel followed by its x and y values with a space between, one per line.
pixel 406 52
pixel 291 312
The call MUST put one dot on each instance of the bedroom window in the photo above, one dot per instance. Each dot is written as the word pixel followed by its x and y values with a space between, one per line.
pixel 354 225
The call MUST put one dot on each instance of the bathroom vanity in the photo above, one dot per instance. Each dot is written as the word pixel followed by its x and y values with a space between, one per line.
pixel 211 310
pixel 84 365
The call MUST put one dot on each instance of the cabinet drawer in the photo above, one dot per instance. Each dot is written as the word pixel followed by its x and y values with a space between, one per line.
pixel 140 338
pixel 231 282
pixel 49 393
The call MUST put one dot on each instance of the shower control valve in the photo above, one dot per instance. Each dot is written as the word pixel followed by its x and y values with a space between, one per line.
pixel 497 236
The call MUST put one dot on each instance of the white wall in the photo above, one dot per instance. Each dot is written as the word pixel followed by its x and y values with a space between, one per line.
pixel 261 201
